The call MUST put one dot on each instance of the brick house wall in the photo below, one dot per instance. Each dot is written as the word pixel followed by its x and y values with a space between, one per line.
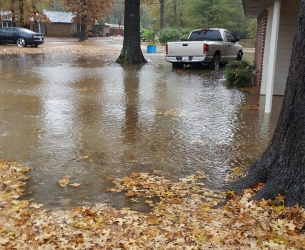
pixel 116 32
pixel 113 31
pixel 61 30
pixel 260 48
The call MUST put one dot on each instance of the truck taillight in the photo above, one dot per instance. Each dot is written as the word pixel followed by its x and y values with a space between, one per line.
pixel 205 48
pixel 166 49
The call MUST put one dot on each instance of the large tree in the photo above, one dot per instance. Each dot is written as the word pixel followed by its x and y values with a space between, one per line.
pixel 87 12
pixel 161 14
pixel 282 166
pixel 131 52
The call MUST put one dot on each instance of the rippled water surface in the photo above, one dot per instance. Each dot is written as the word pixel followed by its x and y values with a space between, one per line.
pixel 94 120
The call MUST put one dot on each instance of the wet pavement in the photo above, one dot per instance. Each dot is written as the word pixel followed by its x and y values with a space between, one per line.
pixel 84 116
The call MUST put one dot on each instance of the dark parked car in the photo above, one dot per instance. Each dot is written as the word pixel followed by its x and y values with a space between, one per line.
pixel 20 36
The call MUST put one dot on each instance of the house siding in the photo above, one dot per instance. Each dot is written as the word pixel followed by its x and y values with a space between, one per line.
pixel 260 47
pixel 288 22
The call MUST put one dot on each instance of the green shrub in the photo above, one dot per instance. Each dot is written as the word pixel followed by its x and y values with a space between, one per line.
pixel 239 73
pixel 149 36
pixel 169 34
pixel 185 33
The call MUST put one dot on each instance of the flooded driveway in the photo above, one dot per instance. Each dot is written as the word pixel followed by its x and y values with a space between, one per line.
pixel 83 116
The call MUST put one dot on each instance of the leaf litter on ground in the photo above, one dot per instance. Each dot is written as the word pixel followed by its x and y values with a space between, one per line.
pixel 187 216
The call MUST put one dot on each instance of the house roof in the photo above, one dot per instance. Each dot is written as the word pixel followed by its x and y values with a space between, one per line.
pixel 253 8
pixel 54 16
pixel 112 25
pixel 6 14
pixel 59 16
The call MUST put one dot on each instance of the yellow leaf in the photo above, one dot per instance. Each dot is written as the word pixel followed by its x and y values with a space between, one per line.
pixel 201 236
pixel 153 220
pixel 280 240
pixel 99 219
pixel 231 192
pixel 10 233
pixel 278 209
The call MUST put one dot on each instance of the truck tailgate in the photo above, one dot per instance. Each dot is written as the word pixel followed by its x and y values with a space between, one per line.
pixel 187 48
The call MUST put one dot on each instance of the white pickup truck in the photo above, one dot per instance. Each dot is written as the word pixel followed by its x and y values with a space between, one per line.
pixel 208 46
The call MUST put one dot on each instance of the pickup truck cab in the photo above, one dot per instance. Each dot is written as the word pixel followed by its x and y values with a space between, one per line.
pixel 208 46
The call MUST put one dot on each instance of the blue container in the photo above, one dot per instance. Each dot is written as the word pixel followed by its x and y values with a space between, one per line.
pixel 152 49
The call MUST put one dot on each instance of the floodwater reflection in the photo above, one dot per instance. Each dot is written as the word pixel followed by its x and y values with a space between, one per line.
pixel 93 120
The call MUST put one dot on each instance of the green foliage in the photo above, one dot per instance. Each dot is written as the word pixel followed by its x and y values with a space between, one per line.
pixel 146 21
pixel 185 33
pixel 239 73
pixel 194 14
pixel 252 27
pixel 170 34
pixel 148 35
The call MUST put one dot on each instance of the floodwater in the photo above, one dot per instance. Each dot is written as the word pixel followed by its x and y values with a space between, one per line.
pixel 93 120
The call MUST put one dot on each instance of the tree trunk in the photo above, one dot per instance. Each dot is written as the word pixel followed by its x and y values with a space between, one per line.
pixel 83 31
pixel 131 52
pixel 282 166
pixel 13 19
pixel 83 26
pixel 78 30
pixel 161 14
pixel 21 13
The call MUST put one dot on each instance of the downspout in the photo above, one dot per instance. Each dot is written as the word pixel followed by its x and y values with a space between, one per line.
pixel 272 54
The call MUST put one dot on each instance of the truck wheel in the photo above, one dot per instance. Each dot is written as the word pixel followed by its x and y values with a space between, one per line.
pixel 177 65
pixel 215 63
pixel 239 56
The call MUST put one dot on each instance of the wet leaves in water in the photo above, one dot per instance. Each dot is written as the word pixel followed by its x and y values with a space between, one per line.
pixel 172 112
pixel 64 182
pixel 184 218
pixel 87 89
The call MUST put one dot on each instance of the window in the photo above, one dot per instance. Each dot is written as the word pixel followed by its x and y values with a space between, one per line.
pixel 201 35
pixel 230 38
pixel 40 28
pixel 6 24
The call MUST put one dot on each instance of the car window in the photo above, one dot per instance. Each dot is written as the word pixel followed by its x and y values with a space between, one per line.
pixel 205 34
pixel 5 31
pixel 26 30
pixel 9 31
pixel 230 38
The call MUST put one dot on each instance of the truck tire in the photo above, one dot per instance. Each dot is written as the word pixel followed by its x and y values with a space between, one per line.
pixel 177 65
pixel 215 63
pixel 239 56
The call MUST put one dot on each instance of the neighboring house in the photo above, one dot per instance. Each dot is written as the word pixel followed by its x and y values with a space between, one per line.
pixel 277 20
pixel 113 29
pixel 61 24
pixel 5 19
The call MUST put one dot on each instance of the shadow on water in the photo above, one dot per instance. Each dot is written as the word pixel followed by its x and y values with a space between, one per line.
pixel 93 120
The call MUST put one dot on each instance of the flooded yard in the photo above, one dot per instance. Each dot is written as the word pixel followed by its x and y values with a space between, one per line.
pixel 83 116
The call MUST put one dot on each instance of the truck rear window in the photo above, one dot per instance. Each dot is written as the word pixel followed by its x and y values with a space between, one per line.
pixel 201 35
